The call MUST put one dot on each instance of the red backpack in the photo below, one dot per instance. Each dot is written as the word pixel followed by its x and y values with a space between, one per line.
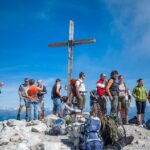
pixel 73 86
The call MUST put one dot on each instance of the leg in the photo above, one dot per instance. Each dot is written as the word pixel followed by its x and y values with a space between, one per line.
pixel 19 112
pixel 143 112
pixel 36 109
pixel 119 109
pixel 26 105
pixel 138 105
pixel 31 111
pixel 114 105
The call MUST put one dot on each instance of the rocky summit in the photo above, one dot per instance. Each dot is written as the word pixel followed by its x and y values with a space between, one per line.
pixel 22 135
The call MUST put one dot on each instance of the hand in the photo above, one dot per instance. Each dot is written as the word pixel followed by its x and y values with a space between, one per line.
pixel 111 98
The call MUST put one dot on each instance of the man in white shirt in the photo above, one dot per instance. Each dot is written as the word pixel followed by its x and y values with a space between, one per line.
pixel 80 91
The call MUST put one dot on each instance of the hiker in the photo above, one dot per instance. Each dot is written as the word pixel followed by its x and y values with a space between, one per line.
pixel 101 92
pixel 80 91
pixel 140 95
pixel 41 98
pixel 113 91
pixel 95 108
pixel 149 96
pixel 56 95
pixel 1 84
pixel 123 95
pixel 65 109
pixel 32 95
pixel 22 92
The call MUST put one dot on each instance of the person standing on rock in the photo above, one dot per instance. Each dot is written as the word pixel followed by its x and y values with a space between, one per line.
pixel 140 95
pixel 80 91
pixel 22 92
pixel 101 92
pixel 41 98
pixel 112 90
pixel 56 95
pixel 33 100
pixel 123 94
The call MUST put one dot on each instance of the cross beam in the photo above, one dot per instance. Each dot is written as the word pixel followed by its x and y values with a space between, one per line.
pixel 70 44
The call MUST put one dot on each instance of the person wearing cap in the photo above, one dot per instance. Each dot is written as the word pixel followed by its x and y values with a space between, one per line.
pixel 22 92
pixel 140 95
pixel 56 95
pixel 41 98
pixel 80 91
pixel 101 92
pixel 112 90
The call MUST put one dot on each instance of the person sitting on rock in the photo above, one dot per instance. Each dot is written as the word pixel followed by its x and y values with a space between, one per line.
pixel 65 109
pixel 33 100
pixel 95 108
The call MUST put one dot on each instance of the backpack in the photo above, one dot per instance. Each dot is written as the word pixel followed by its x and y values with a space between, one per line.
pixel 111 132
pixel 59 127
pixel 73 86
pixel 89 137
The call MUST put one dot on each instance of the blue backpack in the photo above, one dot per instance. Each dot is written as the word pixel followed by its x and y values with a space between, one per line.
pixel 89 138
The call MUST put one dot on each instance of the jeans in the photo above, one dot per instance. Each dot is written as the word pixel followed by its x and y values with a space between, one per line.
pixel 114 105
pixel 33 110
pixel 57 104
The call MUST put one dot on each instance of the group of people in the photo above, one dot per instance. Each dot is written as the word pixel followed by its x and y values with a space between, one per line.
pixel 115 89
pixel 32 97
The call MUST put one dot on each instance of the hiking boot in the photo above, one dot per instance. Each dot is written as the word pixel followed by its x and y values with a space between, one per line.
pixel 138 123
pixel 143 123
pixel 18 117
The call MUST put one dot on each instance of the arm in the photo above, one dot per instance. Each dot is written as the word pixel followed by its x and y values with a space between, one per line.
pixel 108 89
pixel 134 93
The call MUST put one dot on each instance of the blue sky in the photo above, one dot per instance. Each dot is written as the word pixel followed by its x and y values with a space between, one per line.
pixel 121 28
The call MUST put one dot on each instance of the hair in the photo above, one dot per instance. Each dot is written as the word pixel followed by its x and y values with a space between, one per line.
pixel 139 80
pixel 57 80
pixel 113 73
pixel 31 81
pixel 26 79
pixel 120 76
pixel 64 99
pixel 81 74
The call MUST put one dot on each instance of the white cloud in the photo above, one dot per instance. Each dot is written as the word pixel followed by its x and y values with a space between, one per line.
pixel 131 18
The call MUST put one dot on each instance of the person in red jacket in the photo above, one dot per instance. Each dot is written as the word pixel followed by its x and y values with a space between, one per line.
pixel 149 96
pixel 101 92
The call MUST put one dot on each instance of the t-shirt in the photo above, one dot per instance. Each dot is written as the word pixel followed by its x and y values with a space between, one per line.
pixel 122 89
pixel 23 88
pixel 81 85
pixel 32 93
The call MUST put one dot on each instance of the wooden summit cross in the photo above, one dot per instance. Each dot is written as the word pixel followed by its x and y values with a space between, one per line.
pixel 70 44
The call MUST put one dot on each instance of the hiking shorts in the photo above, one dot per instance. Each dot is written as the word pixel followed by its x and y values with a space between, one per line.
pixel 56 104
pixel 121 103
pixel 103 105
pixel 81 102
pixel 24 102
pixel 140 107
